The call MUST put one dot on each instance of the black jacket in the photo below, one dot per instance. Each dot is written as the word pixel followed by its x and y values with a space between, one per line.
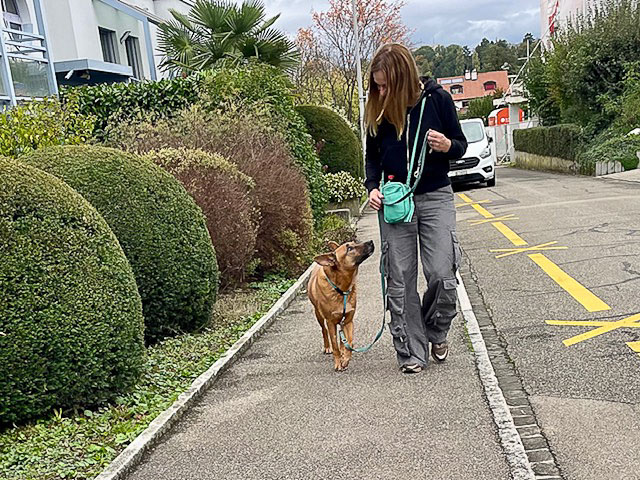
pixel 387 155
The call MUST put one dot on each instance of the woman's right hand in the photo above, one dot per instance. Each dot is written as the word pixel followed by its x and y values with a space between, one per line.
pixel 375 199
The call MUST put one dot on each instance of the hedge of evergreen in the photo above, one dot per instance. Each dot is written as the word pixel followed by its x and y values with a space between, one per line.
pixel 71 327
pixel 161 229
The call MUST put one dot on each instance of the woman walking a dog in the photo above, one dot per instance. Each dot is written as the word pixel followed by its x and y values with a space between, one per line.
pixel 405 116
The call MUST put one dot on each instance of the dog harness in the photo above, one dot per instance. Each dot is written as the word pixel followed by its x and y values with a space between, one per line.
pixel 340 327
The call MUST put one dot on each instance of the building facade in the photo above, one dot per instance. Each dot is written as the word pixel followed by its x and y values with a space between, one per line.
pixel 26 69
pixel 555 14
pixel 472 85
pixel 96 41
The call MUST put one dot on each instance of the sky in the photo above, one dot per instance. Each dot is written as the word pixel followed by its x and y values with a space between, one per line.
pixel 465 22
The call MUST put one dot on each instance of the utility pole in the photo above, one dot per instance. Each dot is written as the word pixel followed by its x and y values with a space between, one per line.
pixel 361 97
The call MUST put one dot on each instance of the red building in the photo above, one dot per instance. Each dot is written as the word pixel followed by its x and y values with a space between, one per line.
pixel 471 85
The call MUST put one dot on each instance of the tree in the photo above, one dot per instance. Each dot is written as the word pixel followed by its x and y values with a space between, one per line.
pixel 328 47
pixel 216 30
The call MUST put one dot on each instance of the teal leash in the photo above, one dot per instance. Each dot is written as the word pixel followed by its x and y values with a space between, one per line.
pixel 345 298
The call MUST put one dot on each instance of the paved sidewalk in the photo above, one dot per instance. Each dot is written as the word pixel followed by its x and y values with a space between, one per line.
pixel 281 412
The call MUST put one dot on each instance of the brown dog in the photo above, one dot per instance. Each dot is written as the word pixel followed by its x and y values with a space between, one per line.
pixel 340 267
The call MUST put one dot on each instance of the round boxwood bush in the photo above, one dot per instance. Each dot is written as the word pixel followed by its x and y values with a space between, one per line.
pixel 71 327
pixel 161 229
pixel 225 195
pixel 339 147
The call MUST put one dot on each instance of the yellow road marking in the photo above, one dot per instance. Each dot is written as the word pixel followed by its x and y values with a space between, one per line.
pixel 629 322
pixel 510 234
pixel 511 216
pixel 515 251
pixel 476 205
pixel 586 323
pixel 574 288
pixel 635 346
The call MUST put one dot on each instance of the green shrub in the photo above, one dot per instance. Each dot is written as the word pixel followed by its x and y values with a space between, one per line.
pixel 563 141
pixel 161 230
pixel 113 102
pixel 226 198
pixel 342 186
pixel 247 140
pixel 265 90
pixel 71 328
pixel 41 124
pixel 621 149
pixel 338 146
pixel 585 69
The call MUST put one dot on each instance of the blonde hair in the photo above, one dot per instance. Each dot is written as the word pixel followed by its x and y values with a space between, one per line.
pixel 399 67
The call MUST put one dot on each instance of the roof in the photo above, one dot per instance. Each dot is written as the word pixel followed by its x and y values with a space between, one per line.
pixel 475 88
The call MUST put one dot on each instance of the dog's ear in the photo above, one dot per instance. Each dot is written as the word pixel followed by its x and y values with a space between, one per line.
pixel 326 259
pixel 332 245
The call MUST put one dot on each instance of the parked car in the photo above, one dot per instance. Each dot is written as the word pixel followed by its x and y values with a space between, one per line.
pixel 478 164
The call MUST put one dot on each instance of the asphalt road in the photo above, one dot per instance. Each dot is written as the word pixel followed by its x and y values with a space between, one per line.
pixel 585 392
pixel 281 412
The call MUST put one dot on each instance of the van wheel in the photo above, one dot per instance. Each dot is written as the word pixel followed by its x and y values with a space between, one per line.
pixel 492 182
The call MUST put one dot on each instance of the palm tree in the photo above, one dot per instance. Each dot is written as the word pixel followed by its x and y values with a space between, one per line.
pixel 216 30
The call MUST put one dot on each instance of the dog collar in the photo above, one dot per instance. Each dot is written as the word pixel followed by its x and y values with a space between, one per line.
pixel 335 287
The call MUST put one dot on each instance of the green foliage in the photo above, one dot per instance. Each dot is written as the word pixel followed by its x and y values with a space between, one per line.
pixel 564 141
pixel 538 85
pixel 479 108
pixel 585 70
pixel 333 228
pixel 488 56
pixel 216 30
pixel 621 148
pixel 115 102
pixel 343 186
pixel 41 124
pixel 627 106
pixel 338 146
pixel 161 230
pixel 71 328
pixel 260 86
pixel 80 445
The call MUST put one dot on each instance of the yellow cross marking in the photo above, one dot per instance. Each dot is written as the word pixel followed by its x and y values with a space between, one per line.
pixel 515 251
pixel 635 346
pixel 476 205
pixel 472 204
pixel 602 328
pixel 512 236
pixel 496 219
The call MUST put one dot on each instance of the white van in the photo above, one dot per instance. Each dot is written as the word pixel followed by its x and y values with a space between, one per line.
pixel 478 164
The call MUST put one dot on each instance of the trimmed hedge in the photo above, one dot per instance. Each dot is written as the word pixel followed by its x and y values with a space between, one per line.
pixel 267 91
pixel 71 327
pixel 225 195
pixel 161 229
pixel 621 149
pixel 109 102
pixel 338 146
pixel 563 141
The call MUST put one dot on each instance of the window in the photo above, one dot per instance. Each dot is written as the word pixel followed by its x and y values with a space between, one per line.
pixel 473 131
pixel 456 89
pixel 465 103
pixel 10 7
pixel 489 86
pixel 108 42
pixel 133 56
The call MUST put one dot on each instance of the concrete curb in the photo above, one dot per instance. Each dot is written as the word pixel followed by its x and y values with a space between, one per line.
pixel 509 438
pixel 131 456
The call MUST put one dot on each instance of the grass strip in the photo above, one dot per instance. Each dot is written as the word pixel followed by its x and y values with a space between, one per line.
pixel 80 444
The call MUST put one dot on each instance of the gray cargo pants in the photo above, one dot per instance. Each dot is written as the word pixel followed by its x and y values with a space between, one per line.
pixel 414 325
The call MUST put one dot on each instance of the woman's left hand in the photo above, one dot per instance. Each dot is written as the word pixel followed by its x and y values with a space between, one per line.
pixel 438 142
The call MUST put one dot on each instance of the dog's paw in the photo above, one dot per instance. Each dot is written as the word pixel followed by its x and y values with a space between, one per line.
pixel 344 363
pixel 327 351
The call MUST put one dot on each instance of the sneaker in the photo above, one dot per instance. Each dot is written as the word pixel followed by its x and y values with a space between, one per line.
pixel 439 351
pixel 413 368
